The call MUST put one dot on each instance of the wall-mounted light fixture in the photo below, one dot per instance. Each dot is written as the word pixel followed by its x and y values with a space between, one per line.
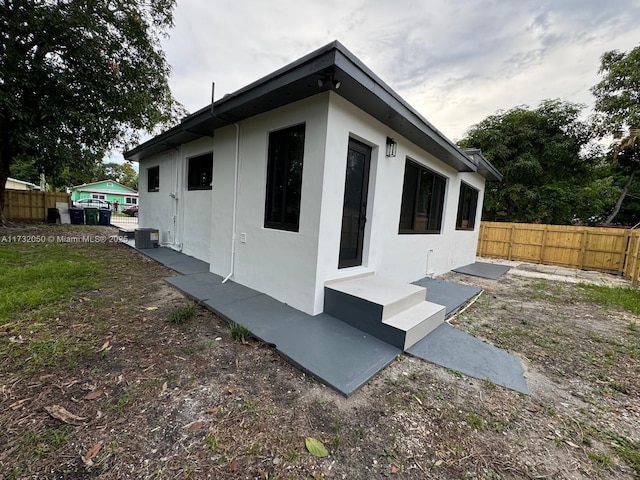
pixel 392 146
pixel 328 79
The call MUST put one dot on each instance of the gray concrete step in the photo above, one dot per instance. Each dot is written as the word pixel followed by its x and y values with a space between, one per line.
pixel 391 297
pixel 417 322
pixel 391 311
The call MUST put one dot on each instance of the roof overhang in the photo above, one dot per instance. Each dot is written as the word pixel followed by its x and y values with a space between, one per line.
pixel 299 80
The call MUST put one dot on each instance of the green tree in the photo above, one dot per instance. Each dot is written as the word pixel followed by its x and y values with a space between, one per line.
pixel 549 165
pixel 618 114
pixel 80 77
pixel 123 173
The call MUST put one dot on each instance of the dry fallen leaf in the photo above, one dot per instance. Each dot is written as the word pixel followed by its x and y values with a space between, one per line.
pixel 394 469
pixel 571 444
pixel 91 454
pixel 533 409
pixel 438 463
pixel 152 308
pixel 93 395
pixel 18 405
pixel 164 388
pixel 212 410
pixel 104 346
pixel 233 466
pixel 61 413
pixel 193 426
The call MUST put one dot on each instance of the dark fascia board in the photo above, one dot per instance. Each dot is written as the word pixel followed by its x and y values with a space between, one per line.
pixel 485 168
pixel 297 80
pixel 444 148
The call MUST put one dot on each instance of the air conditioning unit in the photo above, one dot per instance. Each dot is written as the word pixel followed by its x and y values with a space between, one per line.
pixel 146 238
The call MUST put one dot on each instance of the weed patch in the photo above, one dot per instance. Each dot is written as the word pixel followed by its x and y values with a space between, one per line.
pixel 183 313
pixel 626 298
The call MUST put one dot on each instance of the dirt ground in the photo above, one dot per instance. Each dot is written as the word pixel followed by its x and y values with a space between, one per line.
pixel 149 398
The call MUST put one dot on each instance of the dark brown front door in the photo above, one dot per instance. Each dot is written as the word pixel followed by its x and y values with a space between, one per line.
pixel 355 204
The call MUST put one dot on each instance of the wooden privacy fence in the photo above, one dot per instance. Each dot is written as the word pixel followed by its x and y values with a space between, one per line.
pixel 588 248
pixel 31 205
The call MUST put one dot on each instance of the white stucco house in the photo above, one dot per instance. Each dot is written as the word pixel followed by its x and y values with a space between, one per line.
pixel 316 172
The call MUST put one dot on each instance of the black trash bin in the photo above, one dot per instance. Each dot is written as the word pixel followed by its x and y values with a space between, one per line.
pixel 77 216
pixel 104 217
pixel 53 215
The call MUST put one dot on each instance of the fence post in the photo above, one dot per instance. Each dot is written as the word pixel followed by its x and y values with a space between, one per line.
pixel 513 234
pixel 583 249
pixel 625 253
pixel 635 272
pixel 545 232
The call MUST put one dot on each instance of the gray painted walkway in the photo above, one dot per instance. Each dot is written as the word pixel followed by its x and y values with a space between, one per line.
pixel 454 296
pixel 326 348
pixel 335 353
pixel 457 350
pixel 484 270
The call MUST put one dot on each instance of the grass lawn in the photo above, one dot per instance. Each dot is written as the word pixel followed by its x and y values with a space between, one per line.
pixel 108 372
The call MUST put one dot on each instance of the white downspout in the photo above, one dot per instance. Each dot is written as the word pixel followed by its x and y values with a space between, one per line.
pixel 235 204
pixel 176 199
pixel 426 269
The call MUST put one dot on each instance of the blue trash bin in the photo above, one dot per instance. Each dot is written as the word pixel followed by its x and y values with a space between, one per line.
pixel 104 217
pixel 77 216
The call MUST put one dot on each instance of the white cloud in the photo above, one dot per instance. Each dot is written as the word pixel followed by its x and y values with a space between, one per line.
pixel 455 61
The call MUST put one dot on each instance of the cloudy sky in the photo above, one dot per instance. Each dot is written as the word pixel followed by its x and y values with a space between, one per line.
pixel 455 61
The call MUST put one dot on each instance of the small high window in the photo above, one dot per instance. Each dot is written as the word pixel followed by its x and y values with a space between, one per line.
pixel 467 206
pixel 284 179
pixel 200 174
pixel 153 179
pixel 422 200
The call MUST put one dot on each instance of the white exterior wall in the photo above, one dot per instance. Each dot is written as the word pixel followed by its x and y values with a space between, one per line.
pixel 386 252
pixel 280 263
pixel 294 266
pixel 181 216
pixel 157 209
pixel 194 207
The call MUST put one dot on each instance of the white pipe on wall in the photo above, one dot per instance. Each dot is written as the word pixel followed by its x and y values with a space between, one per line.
pixel 235 204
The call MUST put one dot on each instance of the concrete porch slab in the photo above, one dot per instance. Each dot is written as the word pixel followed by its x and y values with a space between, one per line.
pixel 326 348
pixel 492 271
pixel 453 296
pixel 452 348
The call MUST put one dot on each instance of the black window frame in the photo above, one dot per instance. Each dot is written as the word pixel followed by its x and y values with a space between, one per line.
pixel 153 179
pixel 467 207
pixel 415 176
pixel 283 193
pixel 196 167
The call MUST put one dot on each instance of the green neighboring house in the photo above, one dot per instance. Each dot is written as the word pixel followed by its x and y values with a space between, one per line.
pixel 108 190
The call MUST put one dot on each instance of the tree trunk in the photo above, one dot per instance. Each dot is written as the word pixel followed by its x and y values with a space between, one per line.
pixel 623 194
